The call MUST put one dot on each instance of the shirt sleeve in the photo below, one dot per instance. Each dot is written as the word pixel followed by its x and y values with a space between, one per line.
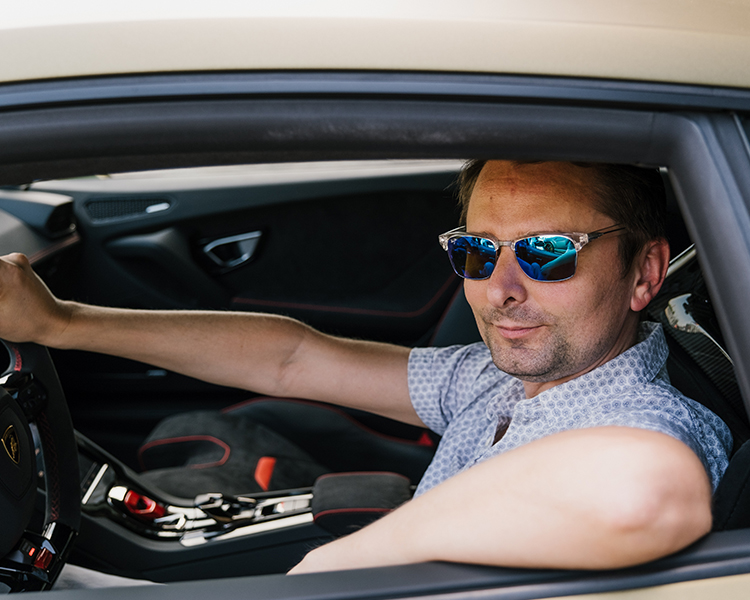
pixel 442 381
pixel 670 413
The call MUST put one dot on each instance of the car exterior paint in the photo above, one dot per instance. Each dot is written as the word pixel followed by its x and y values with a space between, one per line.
pixel 675 41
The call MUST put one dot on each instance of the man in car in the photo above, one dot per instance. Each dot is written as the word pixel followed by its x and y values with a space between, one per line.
pixel 563 444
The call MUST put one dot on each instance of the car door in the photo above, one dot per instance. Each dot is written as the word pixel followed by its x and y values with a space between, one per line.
pixel 349 248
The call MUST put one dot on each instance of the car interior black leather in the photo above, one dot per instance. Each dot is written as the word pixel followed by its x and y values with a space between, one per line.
pixel 220 451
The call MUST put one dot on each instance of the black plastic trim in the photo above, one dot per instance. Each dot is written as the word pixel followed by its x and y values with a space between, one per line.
pixel 64 142
pixel 707 160
pixel 719 555
pixel 372 84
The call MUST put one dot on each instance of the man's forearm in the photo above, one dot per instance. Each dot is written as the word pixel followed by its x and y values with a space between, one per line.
pixel 592 499
pixel 249 351
pixel 267 354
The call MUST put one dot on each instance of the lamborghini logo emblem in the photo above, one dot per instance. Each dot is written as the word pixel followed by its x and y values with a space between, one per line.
pixel 10 443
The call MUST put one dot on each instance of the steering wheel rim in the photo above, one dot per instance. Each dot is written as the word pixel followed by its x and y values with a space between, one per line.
pixel 34 398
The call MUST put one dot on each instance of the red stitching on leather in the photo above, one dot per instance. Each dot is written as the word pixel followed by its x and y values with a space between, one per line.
pixel 51 465
pixel 18 363
pixel 348 309
pixel 188 438
pixel 72 239
pixel 391 438
pixel 451 302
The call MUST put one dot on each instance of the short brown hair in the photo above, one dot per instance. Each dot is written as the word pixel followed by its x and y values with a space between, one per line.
pixel 630 196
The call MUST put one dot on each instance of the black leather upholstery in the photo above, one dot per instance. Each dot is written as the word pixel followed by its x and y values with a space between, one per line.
pixel 731 508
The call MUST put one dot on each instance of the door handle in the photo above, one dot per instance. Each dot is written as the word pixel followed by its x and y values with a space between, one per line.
pixel 230 252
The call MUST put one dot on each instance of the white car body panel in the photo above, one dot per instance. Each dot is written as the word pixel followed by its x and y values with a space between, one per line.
pixel 676 41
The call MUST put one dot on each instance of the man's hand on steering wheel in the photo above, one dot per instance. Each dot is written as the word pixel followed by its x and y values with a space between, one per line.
pixel 32 405
pixel 29 312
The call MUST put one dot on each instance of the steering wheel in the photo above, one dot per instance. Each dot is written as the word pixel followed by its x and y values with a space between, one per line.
pixel 34 419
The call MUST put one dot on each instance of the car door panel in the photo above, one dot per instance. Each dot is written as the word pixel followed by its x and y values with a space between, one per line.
pixel 335 253
pixel 163 262
pixel 319 240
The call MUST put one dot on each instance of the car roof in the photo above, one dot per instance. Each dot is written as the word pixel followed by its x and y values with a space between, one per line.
pixel 679 41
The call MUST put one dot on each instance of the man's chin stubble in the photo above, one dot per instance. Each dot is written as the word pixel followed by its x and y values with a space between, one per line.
pixel 532 374
pixel 532 365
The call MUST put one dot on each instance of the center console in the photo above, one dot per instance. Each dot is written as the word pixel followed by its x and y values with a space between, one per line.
pixel 133 529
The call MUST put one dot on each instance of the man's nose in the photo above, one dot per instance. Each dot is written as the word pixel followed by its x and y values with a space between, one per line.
pixel 507 284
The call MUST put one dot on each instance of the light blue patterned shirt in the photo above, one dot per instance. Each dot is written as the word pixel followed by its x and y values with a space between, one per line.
pixel 460 394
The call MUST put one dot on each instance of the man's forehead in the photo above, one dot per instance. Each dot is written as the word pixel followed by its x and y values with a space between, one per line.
pixel 522 198
pixel 514 176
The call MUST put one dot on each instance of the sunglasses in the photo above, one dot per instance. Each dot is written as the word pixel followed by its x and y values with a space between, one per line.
pixel 543 256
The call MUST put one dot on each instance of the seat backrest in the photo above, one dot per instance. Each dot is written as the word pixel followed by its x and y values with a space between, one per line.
pixel 689 378
pixel 457 326
pixel 731 502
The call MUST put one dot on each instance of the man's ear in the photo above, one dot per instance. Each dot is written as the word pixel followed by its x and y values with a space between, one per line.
pixel 650 269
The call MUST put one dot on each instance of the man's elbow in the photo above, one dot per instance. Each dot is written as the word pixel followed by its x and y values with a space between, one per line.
pixel 662 511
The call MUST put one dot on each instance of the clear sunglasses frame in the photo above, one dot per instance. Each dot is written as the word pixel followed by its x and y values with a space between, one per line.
pixel 579 240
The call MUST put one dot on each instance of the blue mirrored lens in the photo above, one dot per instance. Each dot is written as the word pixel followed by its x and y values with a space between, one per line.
pixel 472 257
pixel 547 257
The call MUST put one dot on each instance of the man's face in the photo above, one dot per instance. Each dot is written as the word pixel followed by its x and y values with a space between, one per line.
pixel 542 332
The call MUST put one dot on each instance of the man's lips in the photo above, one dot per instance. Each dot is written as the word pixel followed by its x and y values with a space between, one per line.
pixel 514 332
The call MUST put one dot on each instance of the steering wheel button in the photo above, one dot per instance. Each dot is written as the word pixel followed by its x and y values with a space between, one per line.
pixel 43 559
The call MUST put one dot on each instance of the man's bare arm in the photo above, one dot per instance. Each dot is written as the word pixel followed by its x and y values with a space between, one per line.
pixel 593 499
pixel 264 353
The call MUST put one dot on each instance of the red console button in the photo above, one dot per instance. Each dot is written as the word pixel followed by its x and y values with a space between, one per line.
pixel 143 507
